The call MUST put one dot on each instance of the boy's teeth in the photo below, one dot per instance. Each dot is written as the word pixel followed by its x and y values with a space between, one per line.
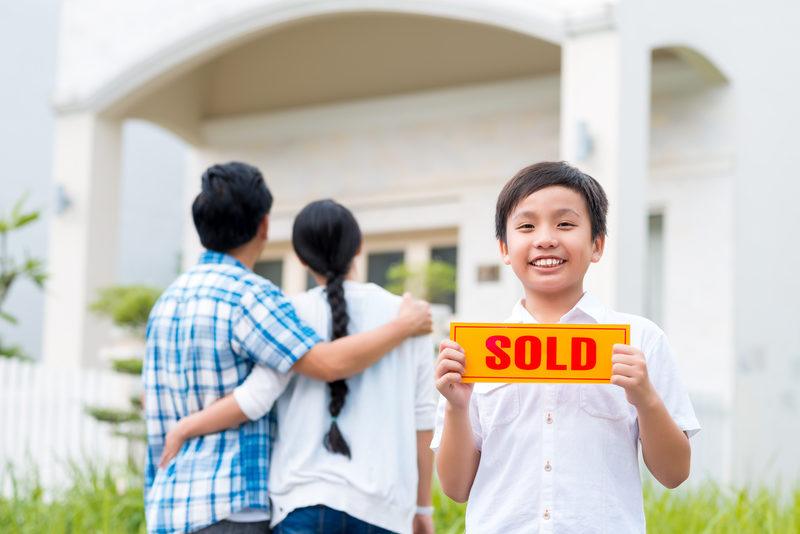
pixel 547 262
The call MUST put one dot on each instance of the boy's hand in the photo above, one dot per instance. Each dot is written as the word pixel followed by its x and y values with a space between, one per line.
pixel 629 371
pixel 449 369
pixel 172 445
pixel 416 314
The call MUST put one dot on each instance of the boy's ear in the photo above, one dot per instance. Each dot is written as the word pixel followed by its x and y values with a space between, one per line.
pixel 504 251
pixel 598 245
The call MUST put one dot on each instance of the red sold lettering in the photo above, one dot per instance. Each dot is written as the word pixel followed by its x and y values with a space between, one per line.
pixel 591 353
pixel 521 352
pixel 552 363
pixel 500 359
pixel 528 353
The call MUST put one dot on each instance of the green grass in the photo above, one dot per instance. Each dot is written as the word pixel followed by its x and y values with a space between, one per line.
pixel 710 509
pixel 111 501
pixel 96 501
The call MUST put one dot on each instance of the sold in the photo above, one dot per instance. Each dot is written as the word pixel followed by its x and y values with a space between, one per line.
pixel 528 353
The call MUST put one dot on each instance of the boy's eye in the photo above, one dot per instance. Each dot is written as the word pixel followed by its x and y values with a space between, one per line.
pixel 565 225
pixel 526 226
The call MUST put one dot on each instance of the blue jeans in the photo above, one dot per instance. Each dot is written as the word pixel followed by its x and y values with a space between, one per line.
pixel 323 520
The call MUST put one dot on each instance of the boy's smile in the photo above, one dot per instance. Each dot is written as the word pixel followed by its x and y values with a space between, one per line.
pixel 549 244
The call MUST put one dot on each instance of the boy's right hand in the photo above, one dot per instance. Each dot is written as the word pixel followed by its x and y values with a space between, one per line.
pixel 416 314
pixel 449 370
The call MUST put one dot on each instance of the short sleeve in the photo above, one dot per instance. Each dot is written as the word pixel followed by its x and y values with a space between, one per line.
pixel 664 376
pixel 477 434
pixel 256 395
pixel 267 330
pixel 425 398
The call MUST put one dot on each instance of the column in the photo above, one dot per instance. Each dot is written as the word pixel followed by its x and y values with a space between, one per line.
pixel 605 107
pixel 82 249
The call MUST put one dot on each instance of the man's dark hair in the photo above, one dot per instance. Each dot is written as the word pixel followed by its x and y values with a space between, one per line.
pixel 230 206
pixel 546 174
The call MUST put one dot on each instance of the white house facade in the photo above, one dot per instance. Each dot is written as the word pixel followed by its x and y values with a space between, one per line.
pixel 415 112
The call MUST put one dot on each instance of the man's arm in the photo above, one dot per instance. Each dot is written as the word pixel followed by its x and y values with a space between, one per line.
pixel 350 355
pixel 665 447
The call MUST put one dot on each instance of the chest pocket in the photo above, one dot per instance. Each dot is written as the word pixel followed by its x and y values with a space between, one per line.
pixel 498 404
pixel 606 401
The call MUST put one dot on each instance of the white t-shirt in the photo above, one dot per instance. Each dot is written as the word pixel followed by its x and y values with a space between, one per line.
pixel 564 457
pixel 385 406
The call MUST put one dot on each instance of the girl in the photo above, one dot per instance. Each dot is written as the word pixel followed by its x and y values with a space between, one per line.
pixel 352 455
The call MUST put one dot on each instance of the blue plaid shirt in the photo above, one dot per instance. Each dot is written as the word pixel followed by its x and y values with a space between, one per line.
pixel 204 335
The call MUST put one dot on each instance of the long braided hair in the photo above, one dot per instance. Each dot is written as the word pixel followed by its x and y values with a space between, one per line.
pixel 326 237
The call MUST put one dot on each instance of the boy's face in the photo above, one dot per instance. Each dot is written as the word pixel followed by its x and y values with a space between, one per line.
pixel 549 242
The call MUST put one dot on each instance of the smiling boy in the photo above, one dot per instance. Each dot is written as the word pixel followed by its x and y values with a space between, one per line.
pixel 561 457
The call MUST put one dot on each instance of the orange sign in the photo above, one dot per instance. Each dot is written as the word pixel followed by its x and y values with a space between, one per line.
pixel 576 353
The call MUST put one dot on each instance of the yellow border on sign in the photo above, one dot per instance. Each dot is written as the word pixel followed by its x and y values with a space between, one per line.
pixel 558 376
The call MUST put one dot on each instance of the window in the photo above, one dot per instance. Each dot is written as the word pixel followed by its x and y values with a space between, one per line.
pixel 378 264
pixel 654 281
pixel 272 270
pixel 447 255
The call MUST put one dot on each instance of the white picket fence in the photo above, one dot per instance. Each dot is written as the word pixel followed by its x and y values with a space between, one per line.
pixel 44 425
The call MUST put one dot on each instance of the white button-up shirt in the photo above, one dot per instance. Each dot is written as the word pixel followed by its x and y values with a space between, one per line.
pixel 564 457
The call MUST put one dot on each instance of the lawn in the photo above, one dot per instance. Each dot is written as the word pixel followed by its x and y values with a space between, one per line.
pixel 110 501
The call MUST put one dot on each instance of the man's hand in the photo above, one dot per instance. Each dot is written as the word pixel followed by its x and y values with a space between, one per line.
pixel 172 444
pixel 449 370
pixel 629 371
pixel 423 524
pixel 416 314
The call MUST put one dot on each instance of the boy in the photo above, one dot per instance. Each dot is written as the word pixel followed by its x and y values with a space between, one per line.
pixel 561 457
pixel 204 335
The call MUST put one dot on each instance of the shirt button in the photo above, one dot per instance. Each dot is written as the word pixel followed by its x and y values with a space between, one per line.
pixel 549 418
pixel 547 466
pixel 546 514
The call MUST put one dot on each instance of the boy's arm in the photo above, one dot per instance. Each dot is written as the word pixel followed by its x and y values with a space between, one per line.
pixel 457 458
pixel 665 447
pixel 350 355
pixel 423 523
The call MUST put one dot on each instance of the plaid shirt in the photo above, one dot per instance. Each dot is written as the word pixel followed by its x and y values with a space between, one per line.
pixel 204 335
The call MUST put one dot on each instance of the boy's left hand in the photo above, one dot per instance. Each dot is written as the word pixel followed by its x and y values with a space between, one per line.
pixel 629 371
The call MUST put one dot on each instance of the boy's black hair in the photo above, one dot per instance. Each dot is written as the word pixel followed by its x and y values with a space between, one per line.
pixel 326 237
pixel 546 174
pixel 233 200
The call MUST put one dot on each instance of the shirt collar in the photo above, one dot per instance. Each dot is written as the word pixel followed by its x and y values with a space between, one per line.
pixel 212 256
pixel 589 309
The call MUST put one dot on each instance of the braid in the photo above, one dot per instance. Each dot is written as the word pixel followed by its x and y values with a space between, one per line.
pixel 334 440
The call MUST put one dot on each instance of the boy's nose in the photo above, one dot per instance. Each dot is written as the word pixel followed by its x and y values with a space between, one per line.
pixel 545 241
